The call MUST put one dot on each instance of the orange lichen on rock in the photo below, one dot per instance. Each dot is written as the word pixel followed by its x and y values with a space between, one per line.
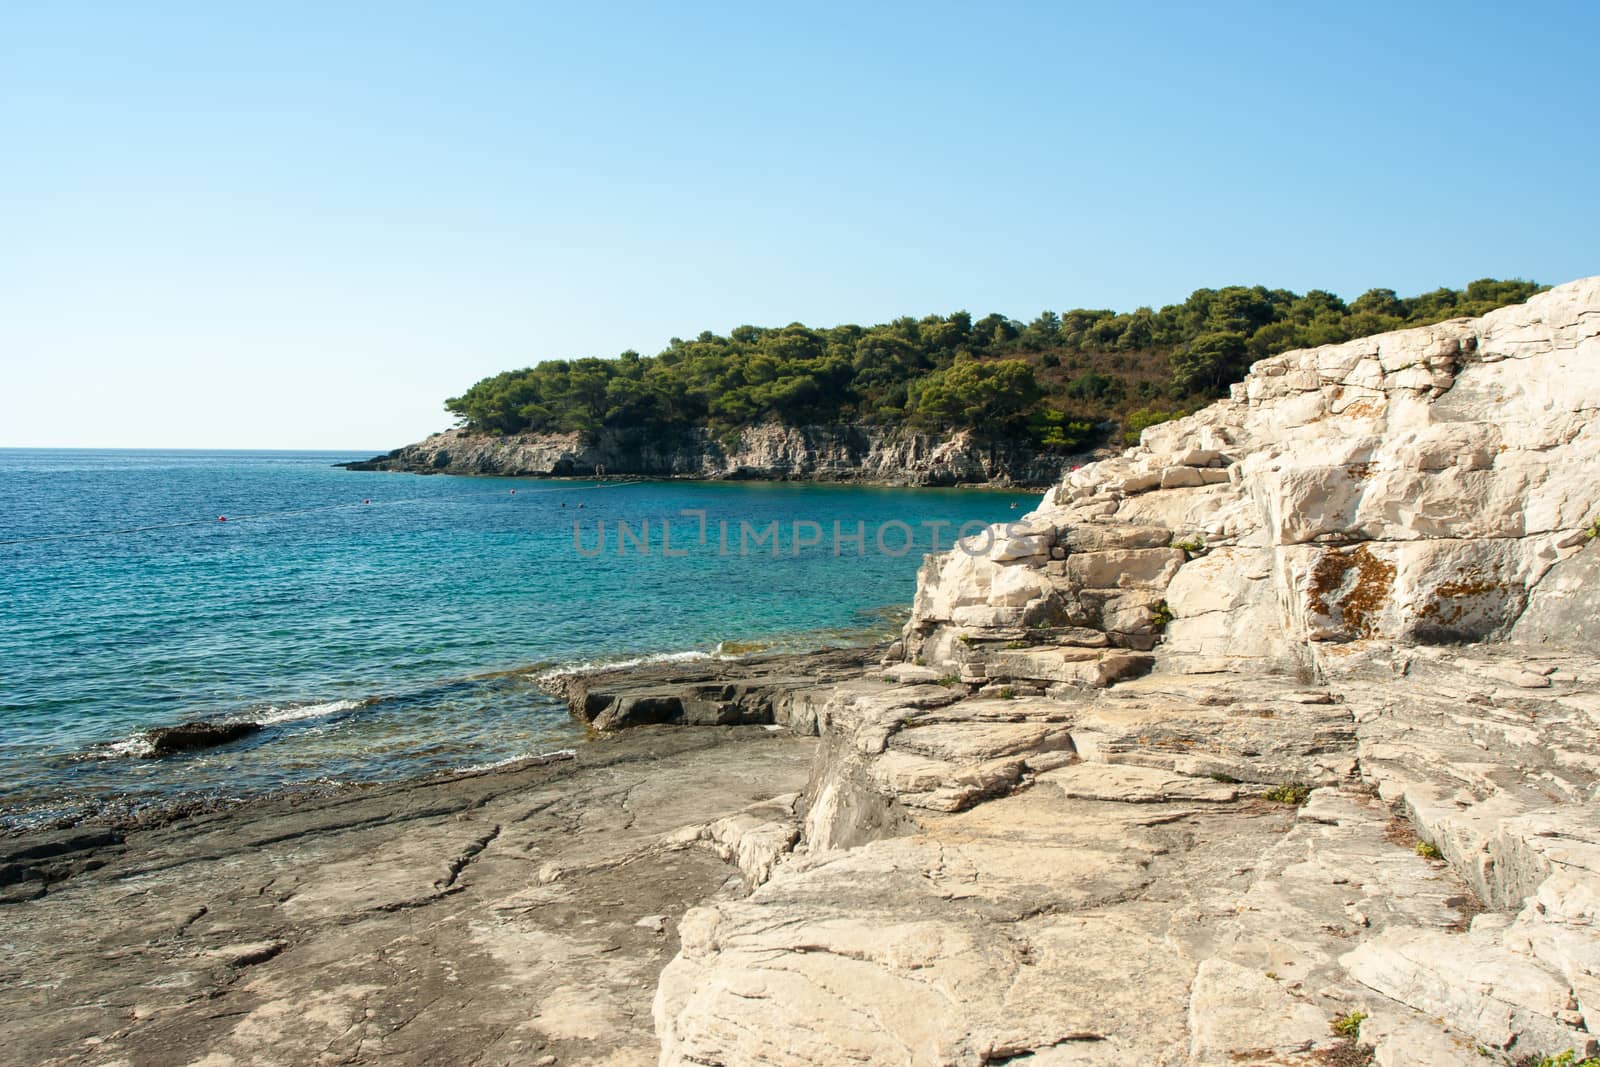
pixel 1451 598
pixel 1364 408
pixel 1352 586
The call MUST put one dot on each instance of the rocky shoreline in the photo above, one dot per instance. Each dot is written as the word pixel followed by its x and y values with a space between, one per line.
pixel 499 917
pixel 867 455
pixel 1213 862
pixel 1274 740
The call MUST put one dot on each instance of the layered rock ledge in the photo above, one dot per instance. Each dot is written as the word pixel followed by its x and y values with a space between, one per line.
pixel 1180 869
pixel 1273 740
pixel 779 689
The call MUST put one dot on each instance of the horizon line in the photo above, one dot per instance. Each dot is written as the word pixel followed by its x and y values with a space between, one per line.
pixel 177 448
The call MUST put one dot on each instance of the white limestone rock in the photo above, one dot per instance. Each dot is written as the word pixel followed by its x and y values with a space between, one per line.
pixel 978 878
pixel 1499 997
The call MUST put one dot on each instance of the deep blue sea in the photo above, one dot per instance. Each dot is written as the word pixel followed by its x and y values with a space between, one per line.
pixel 385 625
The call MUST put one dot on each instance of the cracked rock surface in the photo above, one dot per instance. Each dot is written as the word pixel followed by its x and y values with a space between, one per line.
pixel 1124 878
pixel 1271 741
pixel 493 918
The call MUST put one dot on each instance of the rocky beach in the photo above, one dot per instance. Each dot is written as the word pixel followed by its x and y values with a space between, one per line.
pixel 502 917
pixel 1273 740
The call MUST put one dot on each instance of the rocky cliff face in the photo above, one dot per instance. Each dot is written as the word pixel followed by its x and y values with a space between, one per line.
pixel 1429 486
pixel 767 452
pixel 1271 741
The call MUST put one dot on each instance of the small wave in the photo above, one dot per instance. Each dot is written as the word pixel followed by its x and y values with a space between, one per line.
pixel 141 745
pixel 138 746
pixel 735 649
pixel 526 757
pixel 593 667
pixel 272 716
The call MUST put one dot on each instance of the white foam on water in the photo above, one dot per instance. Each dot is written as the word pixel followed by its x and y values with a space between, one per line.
pixel 547 757
pixel 592 666
pixel 742 649
pixel 274 715
pixel 136 747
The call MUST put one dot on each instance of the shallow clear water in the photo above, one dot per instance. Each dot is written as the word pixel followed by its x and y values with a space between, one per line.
pixel 382 625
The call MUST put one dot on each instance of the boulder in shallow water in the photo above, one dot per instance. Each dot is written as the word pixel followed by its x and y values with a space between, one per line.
pixel 166 740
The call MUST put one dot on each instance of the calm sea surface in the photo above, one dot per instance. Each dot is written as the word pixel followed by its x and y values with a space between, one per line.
pixel 382 625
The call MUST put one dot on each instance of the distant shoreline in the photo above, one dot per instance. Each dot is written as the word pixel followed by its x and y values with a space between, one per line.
pixel 769 452
pixel 688 479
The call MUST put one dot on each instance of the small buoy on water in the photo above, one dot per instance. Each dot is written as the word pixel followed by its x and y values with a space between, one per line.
pixel 222 518
pixel 513 492
pixel 366 501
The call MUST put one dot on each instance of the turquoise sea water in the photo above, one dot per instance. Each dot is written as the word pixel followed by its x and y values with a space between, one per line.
pixel 382 625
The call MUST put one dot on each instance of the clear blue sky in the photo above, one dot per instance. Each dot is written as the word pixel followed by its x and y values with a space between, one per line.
pixel 304 225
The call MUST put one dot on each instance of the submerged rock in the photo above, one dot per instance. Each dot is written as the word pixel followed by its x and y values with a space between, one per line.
pixel 185 737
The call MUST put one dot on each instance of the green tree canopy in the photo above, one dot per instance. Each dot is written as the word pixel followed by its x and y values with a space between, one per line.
pixel 1064 379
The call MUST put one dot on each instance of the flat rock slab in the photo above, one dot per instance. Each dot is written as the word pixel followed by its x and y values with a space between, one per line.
pixel 1023 927
pixel 1107 879
pixel 490 918
pixel 1133 784
pixel 754 689
pixel 977 741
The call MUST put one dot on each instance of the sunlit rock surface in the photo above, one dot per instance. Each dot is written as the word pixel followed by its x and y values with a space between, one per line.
pixel 1273 740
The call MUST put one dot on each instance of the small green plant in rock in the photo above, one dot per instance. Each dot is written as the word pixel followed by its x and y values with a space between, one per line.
pixel 1566 1059
pixel 1007 693
pixel 950 681
pixel 1160 615
pixel 1349 1025
pixel 1016 644
pixel 1593 529
pixel 1428 851
pixel 1295 793
pixel 1193 546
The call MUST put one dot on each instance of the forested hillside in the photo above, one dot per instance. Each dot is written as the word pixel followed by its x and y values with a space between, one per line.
pixel 1064 381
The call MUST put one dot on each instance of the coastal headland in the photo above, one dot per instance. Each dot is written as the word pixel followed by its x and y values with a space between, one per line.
pixel 767 452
